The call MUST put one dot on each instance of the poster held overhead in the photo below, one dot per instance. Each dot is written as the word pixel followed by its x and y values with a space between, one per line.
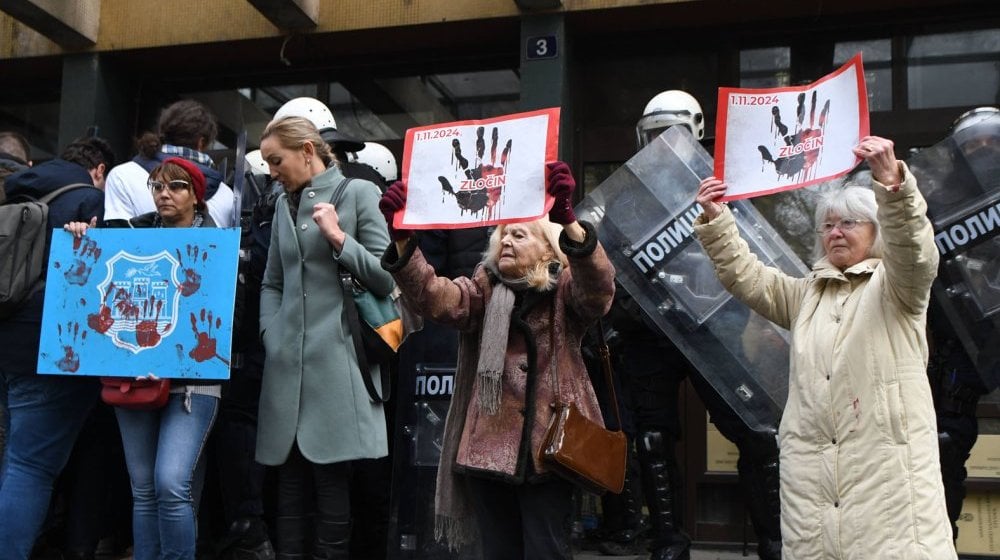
pixel 478 173
pixel 772 140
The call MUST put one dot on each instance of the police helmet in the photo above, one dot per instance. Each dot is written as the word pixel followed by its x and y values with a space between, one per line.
pixel 666 109
pixel 322 118
pixel 380 159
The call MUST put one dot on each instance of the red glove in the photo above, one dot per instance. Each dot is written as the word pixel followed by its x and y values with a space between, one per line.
pixel 561 186
pixel 392 202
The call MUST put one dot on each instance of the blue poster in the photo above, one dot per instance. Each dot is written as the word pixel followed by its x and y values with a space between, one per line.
pixel 129 302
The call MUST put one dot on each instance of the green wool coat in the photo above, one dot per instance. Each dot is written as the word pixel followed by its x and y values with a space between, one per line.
pixel 312 391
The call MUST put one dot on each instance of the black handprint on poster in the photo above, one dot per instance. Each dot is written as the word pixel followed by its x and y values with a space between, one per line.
pixel 785 138
pixel 476 173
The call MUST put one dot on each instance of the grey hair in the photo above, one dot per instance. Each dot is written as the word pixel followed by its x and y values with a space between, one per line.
pixel 853 201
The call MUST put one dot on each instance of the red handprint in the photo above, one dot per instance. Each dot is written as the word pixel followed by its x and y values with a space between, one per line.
pixel 102 320
pixel 206 347
pixel 802 148
pixel 84 249
pixel 146 334
pixel 192 278
pixel 70 362
pixel 481 186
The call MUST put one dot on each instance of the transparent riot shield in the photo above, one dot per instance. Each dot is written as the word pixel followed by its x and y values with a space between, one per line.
pixel 644 214
pixel 426 381
pixel 960 179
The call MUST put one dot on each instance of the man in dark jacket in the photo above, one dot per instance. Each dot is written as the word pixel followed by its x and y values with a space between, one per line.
pixel 46 411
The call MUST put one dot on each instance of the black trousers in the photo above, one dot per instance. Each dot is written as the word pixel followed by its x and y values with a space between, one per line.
pixel 527 521
pixel 305 487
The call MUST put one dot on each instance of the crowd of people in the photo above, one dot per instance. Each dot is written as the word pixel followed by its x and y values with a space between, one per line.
pixel 853 470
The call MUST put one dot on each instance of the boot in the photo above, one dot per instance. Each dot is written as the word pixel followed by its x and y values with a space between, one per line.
pixel 668 541
pixel 759 479
pixel 624 524
pixel 246 540
pixel 333 539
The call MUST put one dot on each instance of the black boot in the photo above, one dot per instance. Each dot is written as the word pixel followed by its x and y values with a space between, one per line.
pixel 668 541
pixel 333 539
pixel 759 479
pixel 624 524
pixel 246 540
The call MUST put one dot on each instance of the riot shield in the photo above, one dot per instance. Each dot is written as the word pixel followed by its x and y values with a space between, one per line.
pixel 426 380
pixel 644 214
pixel 960 179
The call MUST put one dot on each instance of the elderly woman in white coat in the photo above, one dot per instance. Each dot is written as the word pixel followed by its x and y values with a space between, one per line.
pixel 315 414
pixel 860 476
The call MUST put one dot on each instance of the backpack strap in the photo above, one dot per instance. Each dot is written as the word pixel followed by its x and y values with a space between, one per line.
pixel 52 195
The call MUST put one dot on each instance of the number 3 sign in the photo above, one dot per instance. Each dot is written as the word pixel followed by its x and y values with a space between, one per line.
pixel 542 47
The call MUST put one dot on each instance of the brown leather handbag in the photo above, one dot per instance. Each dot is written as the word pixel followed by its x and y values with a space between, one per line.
pixel 582 451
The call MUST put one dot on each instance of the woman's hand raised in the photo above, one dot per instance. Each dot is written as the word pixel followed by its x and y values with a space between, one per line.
pixel 878 152
pixel 709 191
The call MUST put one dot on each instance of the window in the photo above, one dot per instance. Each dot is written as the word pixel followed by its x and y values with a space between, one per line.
pixel 765 68
pixel 877 58
pixel 954 69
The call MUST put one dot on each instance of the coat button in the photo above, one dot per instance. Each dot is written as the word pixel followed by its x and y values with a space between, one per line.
pixel 836 504
pixel 523 367
pixel 827 375
pixel 312 194
pixel 834 441
pixel 303 227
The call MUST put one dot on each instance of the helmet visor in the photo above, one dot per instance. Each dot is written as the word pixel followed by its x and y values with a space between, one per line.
pixel 653 124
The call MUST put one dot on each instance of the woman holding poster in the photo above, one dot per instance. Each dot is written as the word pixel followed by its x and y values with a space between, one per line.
pixel 521 314
pixel 163 446
pixel 315 414
pixel 860 476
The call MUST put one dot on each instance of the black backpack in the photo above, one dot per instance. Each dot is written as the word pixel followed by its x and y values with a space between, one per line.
pixel 24 224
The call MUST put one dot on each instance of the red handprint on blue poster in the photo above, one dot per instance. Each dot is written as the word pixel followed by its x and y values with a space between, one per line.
pixel 121 304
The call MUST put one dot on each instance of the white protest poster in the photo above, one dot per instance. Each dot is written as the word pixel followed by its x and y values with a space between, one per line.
pixel 771 140
pixel 480 172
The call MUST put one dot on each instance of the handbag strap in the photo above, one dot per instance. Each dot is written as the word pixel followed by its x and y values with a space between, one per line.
pixel 602 349
pixel 354 320
pixel 605 352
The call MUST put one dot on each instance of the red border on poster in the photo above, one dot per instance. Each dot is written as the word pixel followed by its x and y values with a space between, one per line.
pixel 854 64
pixel 551 154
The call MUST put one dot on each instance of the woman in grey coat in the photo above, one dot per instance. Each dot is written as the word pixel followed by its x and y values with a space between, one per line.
pixel 315 414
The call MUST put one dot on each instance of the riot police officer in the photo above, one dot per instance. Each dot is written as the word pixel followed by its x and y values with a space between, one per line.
pixel 648 364
pixel 957 383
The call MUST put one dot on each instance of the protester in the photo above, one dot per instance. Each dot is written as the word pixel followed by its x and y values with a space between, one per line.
pixel 45 411
pixel 14 157
pixel 522 313
pixel 860 476
pixel 164 446
pixel 186 129
pixel 315 414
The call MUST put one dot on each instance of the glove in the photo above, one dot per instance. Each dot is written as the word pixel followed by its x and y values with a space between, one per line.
pixel 393 201
pixel 561 186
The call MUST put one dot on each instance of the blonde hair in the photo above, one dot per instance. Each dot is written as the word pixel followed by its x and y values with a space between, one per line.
pixel 293 133
pixel 537 276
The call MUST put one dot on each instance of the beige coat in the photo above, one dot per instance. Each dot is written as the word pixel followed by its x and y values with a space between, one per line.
pixel 860 474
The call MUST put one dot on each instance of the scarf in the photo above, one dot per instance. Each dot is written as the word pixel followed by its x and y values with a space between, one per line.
pixel 493 336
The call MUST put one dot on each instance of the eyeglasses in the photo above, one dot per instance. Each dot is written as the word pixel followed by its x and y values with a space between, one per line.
pixel 177 185
pixel 847 224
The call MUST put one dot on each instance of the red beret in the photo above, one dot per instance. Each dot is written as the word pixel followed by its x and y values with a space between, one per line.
pixel 197 177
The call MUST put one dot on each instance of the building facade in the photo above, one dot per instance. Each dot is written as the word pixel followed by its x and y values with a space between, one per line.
pixel 384 66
